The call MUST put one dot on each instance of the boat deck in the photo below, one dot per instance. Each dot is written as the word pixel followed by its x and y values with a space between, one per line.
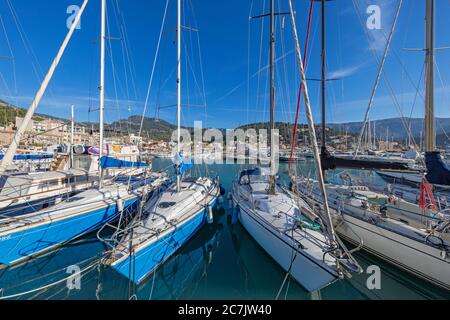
pixel 281 214
pixel 76 205
pixel 164 212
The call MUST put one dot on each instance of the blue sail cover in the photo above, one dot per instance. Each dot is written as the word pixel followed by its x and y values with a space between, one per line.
pixel 181 164
pixel 437 170
pixel 251 172
pixel 23 157
pixel 108 162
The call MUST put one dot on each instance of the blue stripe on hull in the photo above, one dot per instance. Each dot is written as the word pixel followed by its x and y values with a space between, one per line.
pixel 17 246
pixel 153 255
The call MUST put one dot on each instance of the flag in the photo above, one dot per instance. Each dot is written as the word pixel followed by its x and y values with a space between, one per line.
pixel 182 165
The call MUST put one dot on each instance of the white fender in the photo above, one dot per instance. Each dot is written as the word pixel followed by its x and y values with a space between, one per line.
pixel 119 204
pixel 210 215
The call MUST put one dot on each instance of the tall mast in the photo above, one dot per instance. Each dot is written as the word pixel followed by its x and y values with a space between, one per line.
pixel 312 131
pixel 272 98
pixel 324 80
pixel 9 155
pixel 179 87
pixel 430 135
pixel 375 135
pixel 102 87
pixel 72 133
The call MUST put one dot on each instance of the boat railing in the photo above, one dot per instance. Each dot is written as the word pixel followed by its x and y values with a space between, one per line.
pixel 122 226
pixel 339 251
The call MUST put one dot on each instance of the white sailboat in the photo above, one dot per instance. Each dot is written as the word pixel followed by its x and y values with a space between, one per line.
pixel 172 217
pixel 437 171
pixel 390 228
pixel 299 239
pixel 30 192
pixel 410 237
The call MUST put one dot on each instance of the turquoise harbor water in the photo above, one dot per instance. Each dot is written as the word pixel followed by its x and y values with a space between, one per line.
pixel 221 262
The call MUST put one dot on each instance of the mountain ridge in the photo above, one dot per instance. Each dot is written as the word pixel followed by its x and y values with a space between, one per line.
pixel 159 129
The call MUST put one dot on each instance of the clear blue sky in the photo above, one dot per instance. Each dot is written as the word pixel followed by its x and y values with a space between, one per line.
pixel 224 37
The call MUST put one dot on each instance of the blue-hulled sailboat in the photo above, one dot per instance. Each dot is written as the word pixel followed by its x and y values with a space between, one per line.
pixel 26 236
pixel 170 218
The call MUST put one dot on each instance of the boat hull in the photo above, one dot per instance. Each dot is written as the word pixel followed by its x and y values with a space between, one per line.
pixel 399 179
pixel 308 272
pixel 149 257
pixel 410 255
pixel 17 247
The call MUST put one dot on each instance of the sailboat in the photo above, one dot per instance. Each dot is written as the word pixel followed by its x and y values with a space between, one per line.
pixel 437 172
pixel 301 240
pixel 170 218
pixel 30 235
pixel 412 237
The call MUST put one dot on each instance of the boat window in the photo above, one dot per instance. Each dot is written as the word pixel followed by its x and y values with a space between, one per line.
pixel 74 199
pixel 53 183
pixel 165 205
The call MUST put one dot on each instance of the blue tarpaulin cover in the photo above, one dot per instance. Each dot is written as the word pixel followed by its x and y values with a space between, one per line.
pixel 108 162
pixel 251 172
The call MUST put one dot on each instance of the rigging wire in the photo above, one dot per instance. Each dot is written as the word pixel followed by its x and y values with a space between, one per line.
pixel 387 82
pixel 445 97
pixel 36 66
pixel 13 59
pixel 260 59
pixel 305 57
pixel 249 36
pixel 377 81
pixel 114 74
pixel 153 69
pixel 52 284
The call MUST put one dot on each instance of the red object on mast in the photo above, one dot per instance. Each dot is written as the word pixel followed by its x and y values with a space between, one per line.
pixel 294 140
pixel 426 191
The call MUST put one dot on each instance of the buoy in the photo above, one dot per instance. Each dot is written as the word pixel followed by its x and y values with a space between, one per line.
pixel 210 215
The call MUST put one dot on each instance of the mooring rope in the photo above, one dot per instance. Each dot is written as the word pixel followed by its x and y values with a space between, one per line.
pixel 51 284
